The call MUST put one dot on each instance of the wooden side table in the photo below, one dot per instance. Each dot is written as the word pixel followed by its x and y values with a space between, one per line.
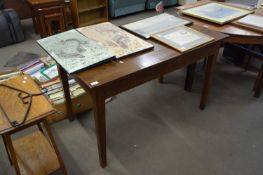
pixel 35 5
pixel 35 153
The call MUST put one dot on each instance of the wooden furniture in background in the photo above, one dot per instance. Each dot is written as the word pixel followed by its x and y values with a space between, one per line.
pixel 52 20
pixel 35 5
pixel 87 12
pixel 135 70
pixel 20 6
pixel 37 152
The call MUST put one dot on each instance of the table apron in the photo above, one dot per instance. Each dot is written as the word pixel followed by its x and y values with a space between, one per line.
pixel 137 78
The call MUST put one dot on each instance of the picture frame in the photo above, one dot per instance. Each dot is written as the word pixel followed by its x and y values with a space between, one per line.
pixel 75 52
pixel 251 22
pixel 182 38
pixel 145 27
pixel 118 41
pixel 219 13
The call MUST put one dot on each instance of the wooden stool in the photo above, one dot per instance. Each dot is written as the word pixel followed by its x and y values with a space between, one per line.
pixel 52 20
pixel 35 153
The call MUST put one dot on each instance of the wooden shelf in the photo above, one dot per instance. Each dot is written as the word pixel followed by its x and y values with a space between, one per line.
pixel 88 12
pixel 35 155
pixel 91 8
pixel 95 21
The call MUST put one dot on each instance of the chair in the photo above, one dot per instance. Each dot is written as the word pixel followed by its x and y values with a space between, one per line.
pixel 121 7
pixel 52 20
pixel 257 54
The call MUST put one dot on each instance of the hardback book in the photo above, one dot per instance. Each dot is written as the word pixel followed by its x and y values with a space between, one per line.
pixel 75 52
pixel 120 42
pixel 155 24
pixel 182 38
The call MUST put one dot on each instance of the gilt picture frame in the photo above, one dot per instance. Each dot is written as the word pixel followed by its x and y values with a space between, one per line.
pixel 182 38
pixel 219 13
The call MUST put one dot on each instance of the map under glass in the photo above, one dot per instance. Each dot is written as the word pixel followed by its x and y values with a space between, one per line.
pixel 115 39
pixel 74 52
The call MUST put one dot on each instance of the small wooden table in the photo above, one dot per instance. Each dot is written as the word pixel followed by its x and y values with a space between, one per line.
pixel 35 153
pixel 39 4
pixel 113 78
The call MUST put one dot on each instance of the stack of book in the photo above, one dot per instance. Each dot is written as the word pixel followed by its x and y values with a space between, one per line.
pixel 5 75
pixel 54 90
pixel 44 71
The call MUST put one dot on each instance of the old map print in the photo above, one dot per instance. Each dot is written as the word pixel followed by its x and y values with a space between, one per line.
pixel 73 51
pixel 118 41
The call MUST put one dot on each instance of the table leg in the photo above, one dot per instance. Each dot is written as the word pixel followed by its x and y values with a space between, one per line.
pixel 12 153
pixel 64 79
pixel 6 148
pixel 259 83
pixel 211 62
pixel 49 133
pixel 190 77
pixel 160 79
pixel 100 122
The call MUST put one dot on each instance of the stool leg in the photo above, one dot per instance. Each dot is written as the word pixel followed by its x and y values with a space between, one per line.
pixel 49 133
pixel 7 151
pixel 12 153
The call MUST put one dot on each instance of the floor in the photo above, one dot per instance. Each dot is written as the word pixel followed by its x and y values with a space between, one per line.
pixel 158 129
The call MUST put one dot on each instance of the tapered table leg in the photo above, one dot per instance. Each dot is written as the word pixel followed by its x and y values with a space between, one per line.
pixel 64 79
pixel 190 77
pixel 259 83
pixel 100 122
pixel 211 62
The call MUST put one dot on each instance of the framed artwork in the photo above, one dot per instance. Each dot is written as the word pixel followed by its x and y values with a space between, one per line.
pixel 182 38
pixel 146 27
pixel 75 52
pixel 217 12
pixel 252 22
pixel 120 42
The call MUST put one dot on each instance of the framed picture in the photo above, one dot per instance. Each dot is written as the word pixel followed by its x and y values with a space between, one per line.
pixel 75 52
pixel 118 41
pixel 148 26
pixel 182 38
pixel 217 12
pixel 252 22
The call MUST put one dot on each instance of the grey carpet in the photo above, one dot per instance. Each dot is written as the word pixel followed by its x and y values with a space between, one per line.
pixel 158 129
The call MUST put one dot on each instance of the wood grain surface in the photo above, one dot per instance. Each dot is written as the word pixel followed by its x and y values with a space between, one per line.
pixel 14 107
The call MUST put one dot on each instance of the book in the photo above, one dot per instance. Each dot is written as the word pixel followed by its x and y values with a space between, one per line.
pixel 34 68
pixel 50 72
pixel 75 52
pixel 48 61
pixel 155 24
pixel 115 39
pixel 182 38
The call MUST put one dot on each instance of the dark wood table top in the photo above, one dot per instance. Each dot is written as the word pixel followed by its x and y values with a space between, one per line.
pixel 13 106
pixel 237 34
pixel 115 71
